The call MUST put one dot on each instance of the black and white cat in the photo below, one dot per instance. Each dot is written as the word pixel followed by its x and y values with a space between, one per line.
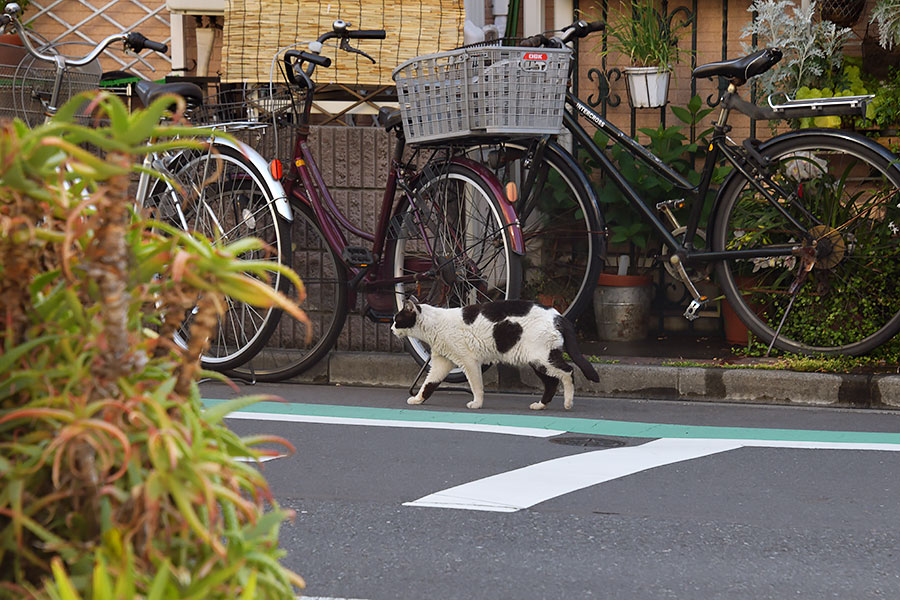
pixel 516 332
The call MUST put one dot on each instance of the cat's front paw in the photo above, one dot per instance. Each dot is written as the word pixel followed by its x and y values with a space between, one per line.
pixel 537 406
pixel 415 400
pixel 568 404
pixel 473 404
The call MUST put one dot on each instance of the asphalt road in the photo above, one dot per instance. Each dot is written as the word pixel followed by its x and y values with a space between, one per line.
pixel 643 500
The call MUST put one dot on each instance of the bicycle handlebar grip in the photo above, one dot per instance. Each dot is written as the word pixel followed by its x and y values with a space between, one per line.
pixel 534 41
pixel 138 42
pixel 157 46
pixel 581 29
pixel 317 59
pixel 367 34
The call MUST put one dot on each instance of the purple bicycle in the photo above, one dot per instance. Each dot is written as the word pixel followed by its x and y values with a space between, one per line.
pixel 444 231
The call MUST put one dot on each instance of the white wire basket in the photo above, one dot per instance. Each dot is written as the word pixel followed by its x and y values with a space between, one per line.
pixel 234 106
pixel 494 91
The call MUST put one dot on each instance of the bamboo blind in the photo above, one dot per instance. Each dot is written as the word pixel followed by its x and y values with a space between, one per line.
pixel 255 30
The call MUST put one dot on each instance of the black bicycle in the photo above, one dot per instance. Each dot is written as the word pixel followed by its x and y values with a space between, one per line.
pixel 804 233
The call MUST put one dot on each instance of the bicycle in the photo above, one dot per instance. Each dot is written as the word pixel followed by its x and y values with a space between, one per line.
pixel 444 231
pixel 803 232
pixel 225 191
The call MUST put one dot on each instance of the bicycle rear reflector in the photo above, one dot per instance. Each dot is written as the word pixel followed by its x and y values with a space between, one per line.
pixel 276 169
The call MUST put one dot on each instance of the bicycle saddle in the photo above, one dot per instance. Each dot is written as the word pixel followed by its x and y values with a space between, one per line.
pixel 739 70
pixel 148 91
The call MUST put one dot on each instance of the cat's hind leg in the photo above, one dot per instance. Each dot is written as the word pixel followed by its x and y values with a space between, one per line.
pixel 550 385
pixel 559 368
pixel 439 368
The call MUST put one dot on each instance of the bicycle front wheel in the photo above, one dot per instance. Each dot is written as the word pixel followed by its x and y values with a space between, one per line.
pixel 226 199
pixel 561 224
pixel 450 245
pixel 838 207
pixel 325 280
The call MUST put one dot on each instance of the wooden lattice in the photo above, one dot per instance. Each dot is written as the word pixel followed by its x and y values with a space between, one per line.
pixel 80 24
pixel 257 30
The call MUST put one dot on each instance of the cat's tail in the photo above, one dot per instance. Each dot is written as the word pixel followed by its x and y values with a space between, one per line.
pixel 570 344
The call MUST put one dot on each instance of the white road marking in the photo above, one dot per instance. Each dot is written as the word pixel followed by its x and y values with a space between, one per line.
pixel 261 459
pixel 323 598
pixel 525 487
pixel 522 488
pixel 504 429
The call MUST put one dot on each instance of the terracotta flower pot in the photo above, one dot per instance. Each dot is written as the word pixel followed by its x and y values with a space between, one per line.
pixel 11 49
pixel 735 330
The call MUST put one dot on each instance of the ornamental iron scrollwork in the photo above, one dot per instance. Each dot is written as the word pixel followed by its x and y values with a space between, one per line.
pixel 604 89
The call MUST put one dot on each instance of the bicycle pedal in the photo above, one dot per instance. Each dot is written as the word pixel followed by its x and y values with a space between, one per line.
pixel 379 316
pixel 357 256
pixel 694 307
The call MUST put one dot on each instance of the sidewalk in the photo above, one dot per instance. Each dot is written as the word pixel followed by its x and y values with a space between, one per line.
pixel 668 368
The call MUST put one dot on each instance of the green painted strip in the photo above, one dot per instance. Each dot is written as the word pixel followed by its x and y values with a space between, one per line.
pixel 575 425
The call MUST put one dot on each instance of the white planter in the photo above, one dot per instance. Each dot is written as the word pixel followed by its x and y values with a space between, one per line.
pixel 648 87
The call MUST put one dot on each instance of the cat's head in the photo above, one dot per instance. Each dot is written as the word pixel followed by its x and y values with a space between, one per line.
pixel 407 317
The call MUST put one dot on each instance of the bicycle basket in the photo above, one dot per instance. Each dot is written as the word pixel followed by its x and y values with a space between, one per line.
pixel 505 91
pixel 241 105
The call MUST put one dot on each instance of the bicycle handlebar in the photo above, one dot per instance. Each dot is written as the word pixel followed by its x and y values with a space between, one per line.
pixel 578 29
pixel 293 59
pixel 133 40
pixel 339 30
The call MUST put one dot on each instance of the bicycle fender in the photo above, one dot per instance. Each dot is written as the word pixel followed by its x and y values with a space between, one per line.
pixel 262 167
pixel 835 133
pixel 507 209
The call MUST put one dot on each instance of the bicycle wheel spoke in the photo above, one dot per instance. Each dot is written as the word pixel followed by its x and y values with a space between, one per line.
pixel 223 199
pixel 325 282
pixel 843 193
pixel 563 240
pixel 450 246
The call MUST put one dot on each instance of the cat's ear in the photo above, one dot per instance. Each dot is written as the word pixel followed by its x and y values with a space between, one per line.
pixel 411 304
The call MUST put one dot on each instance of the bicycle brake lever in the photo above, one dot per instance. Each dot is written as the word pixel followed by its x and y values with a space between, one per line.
pixel 346 47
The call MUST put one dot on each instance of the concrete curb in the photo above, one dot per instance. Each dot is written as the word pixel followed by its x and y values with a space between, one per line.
pixel 639 381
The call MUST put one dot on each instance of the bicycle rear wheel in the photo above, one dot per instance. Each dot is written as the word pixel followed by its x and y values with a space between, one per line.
pixel 842 193
pixel 224 198
pixel 451 246
pixel 561 223
pixel 325 280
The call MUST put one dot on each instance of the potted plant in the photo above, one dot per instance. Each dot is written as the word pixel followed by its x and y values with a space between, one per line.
pixel 628 289
pixel 624 293
pixel 650 41
pixel 812 48
pixel 886 15
pixel 842 13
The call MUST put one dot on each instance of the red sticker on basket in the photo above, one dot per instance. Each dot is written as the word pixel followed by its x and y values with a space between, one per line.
pixel 535 56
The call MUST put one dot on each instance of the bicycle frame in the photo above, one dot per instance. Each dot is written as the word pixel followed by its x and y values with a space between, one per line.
pixel 333 222
pixel 718 147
